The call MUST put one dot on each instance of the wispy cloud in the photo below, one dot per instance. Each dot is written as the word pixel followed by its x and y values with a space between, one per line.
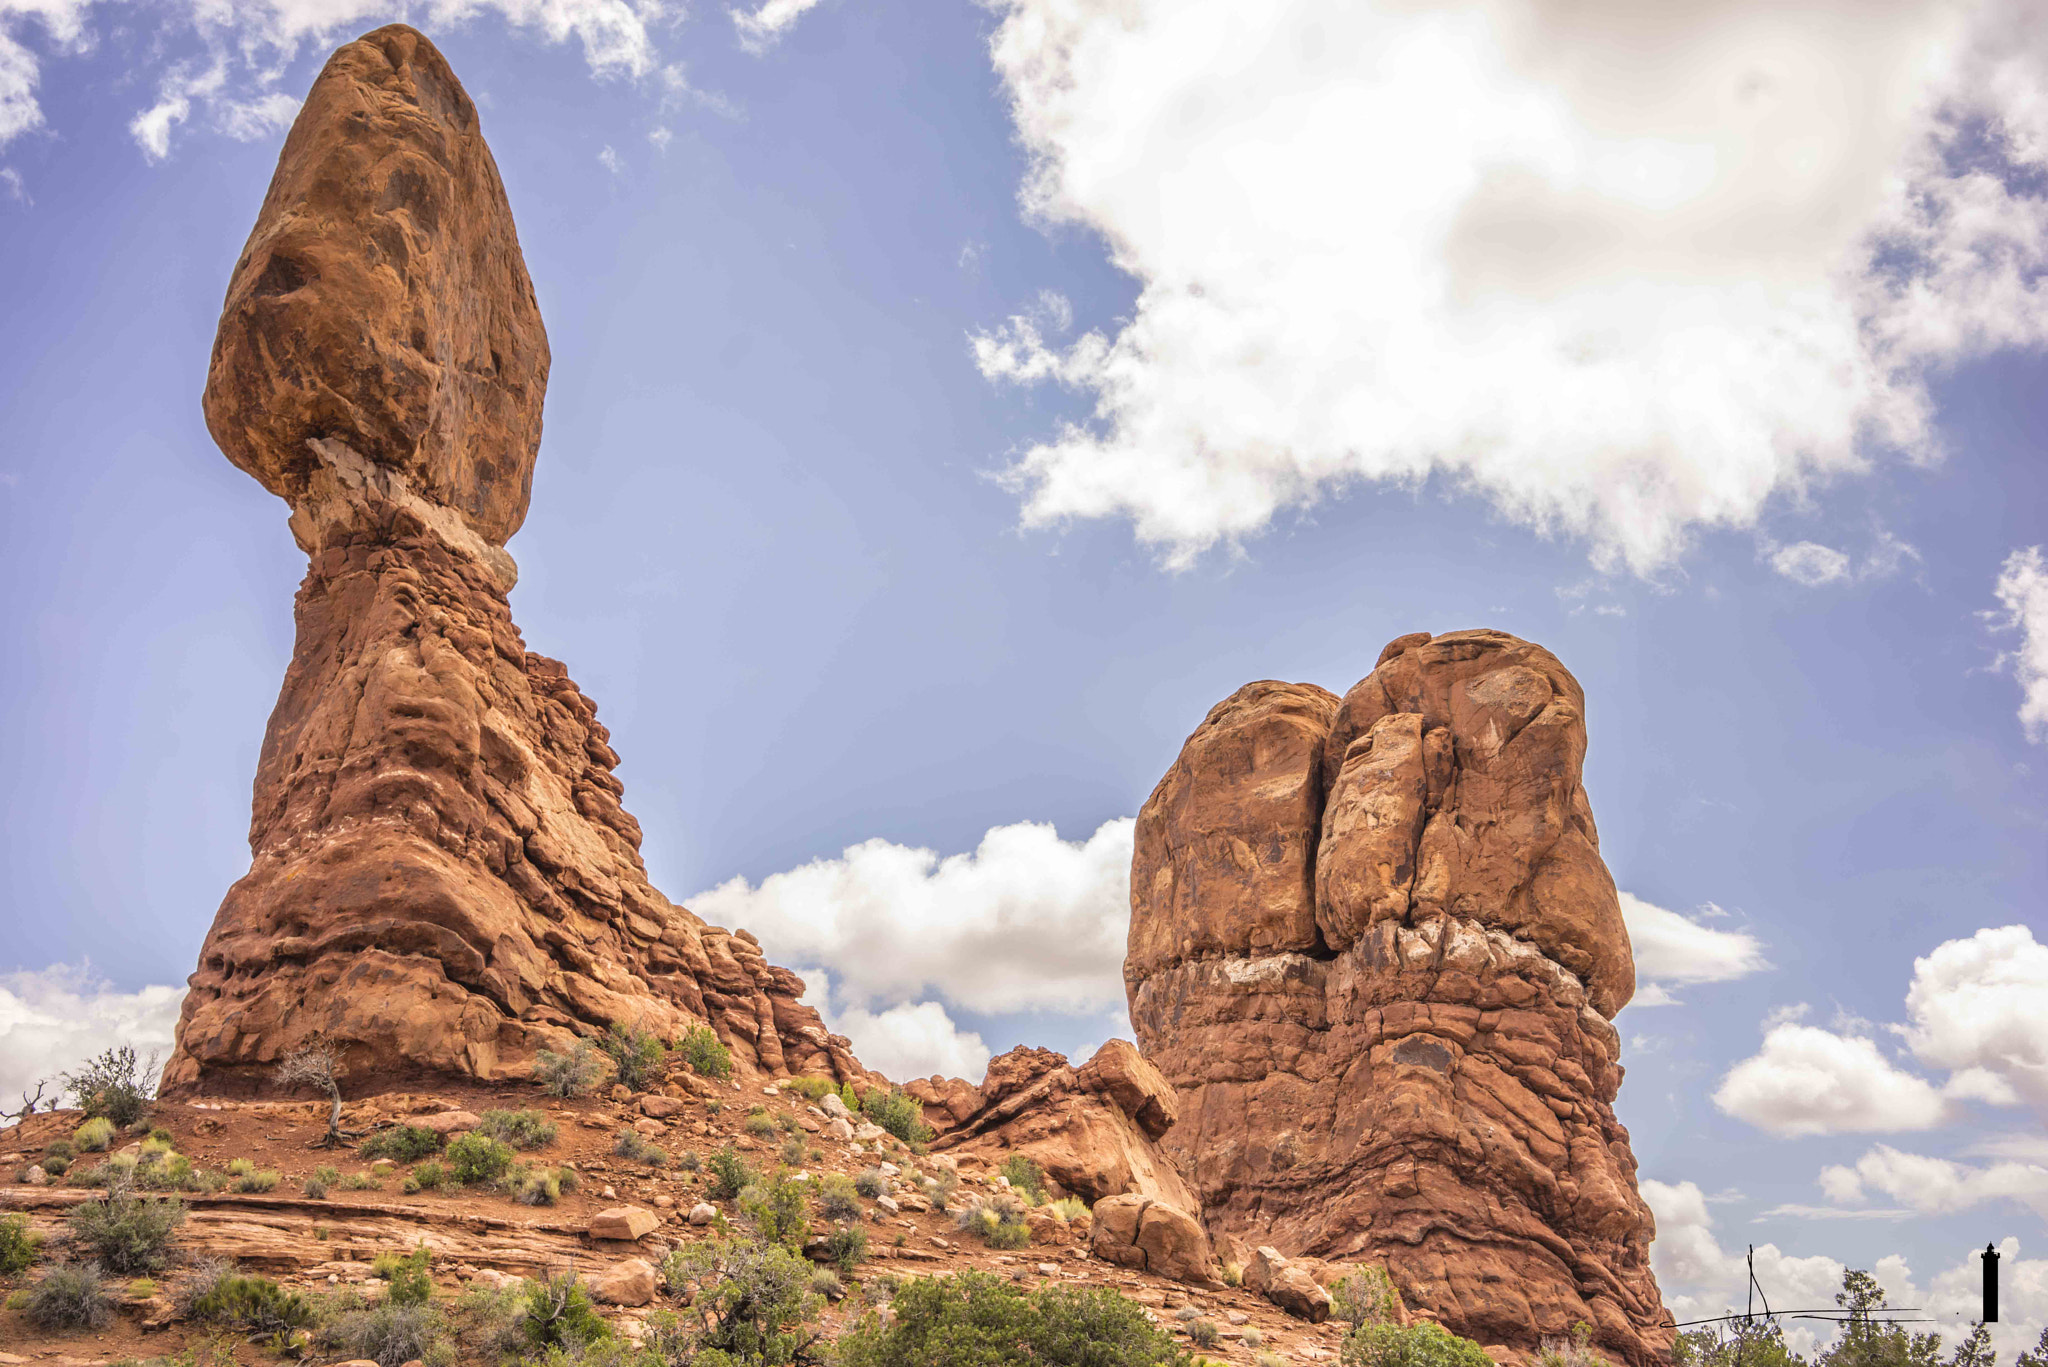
pixel 2023 601
pixel 762 28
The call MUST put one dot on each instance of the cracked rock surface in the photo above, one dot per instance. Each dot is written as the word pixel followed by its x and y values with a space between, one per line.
pixel 1374 948
pixel 444 880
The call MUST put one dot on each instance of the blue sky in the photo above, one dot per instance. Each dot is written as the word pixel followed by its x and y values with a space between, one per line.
pixel 950 404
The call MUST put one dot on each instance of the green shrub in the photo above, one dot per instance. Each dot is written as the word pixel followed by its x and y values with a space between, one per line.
pixel 1253 1338
pixel 389 1335
pixel 570 1074
pixel 730 1174
pixel 786 1121
pixel 94 1135
pixel 809 1088
pixel 838 1198
pixel 70 1296
pixel 847 1247
pixel 633 1144
pixel 165 1170
pixel 315 1189
pixel 1233 1274
pixel 127 1234
pixel 779 1212
pixel 362 1181
pixel 998 1221
pixel 1069 1208
pixel 1419 1345
pixel 1366 1296
pixel 559 1313
pixel 760 1126
pixel 637 1055
pixel 432 1175
pixel 18 1244
pixel 56 1166
pixel 115 1086
pixel 749 1303
pixel 542 1187
pixel 59 1148
pixel 241 1167
pixel 898 1112
pixel 255 1305
pixel 520 1129
pixel 401 1144
pixel 706 1055
pixel 871 1182
pixel 688 1161
pixel 1202 1333
pixel 825 1282
pixel 793 1151
pixel 411 1282
pixel 1025 1176
pixel 256 1182
pixel 978 1320
pixel 476 1159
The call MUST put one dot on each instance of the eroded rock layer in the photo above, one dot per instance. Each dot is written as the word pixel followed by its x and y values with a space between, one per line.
pixel 1375 949
pixel 443 878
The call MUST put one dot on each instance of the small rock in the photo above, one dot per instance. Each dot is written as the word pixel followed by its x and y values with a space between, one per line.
pixel 839 1128
pixel 35 1177
pixel 621 1093
pixel 628 1283
pixel 661 1107
pixel 939 1241
pixel 664 1202
pixel 888 1169
pixel 770 1090
pixel 450 1122
pixel 622 1222
pixel 609 1194
pixel 493 1278
pixel 833 1106
pixel 869 1133
pixel 888 1203
pixel 1238 1317
pixel 1048 1269
pixel 650 1127
pixel 703 1213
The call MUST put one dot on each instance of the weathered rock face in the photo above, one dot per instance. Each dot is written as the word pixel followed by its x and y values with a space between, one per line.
pixel 444 879
pixel 1092 1129
pixel 1375 949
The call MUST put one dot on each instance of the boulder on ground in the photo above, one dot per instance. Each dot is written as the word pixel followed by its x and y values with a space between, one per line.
pixel 450 1122
pixel 1287 1285
pixel 1137 1231
pixel 662 1107
pixel 623 1222
pixel 628 1283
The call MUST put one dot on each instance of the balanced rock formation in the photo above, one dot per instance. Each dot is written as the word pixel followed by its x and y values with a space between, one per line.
pixel 1374 948
pixel 444 879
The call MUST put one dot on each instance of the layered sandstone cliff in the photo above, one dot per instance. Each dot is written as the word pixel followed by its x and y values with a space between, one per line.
pixel 444 879
pixel 1375 949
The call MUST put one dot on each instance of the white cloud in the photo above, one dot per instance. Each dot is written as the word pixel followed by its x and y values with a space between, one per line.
pixel 1806 1080
pixel 1026 922
pixel 53 1019
pixel 910 1039
pixel 1979 1008
pixel 1936 1186
pixel 2023 594
pixel 251 43
pixel 1673 948
pixel 762 28
pixel 661 138
pixel 1810 563
pixel 17 190
pixel 611 160
pixel 1626 272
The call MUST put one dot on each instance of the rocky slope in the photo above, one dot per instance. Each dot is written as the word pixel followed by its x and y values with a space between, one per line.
pixel 1374 948
pixel 444 879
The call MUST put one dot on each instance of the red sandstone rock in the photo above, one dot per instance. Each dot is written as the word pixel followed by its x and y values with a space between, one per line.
pixel 444 879
pixel 1153 1236
pixel 1375 950
pixel 1288 1285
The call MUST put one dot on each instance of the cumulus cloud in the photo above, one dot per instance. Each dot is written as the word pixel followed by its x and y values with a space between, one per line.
pixel 55 1018
pixel 1626 272
pixel 250 43
pixel 762 28
pixel 907 1040
pixel 2023 600
pixel 1024 922
pixel 1674 948
pixel 609 158
pixel 1810 563
pixel 1975 1007
pixel 1806 1080
pixel 1935 1186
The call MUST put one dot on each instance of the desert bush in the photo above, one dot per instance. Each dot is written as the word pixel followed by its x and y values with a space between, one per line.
pixel 544 1186
pixel 1577 1350
pixel 314 1188
pixel 484 1325
pixel 476 1159
pixel 570 1074
pixel 978 1320
pixel 520 1129
pixel 94 1135
pixel 998 1221
pixel 1419 1345
pixel 1202 1333
pixel 70 1296
pixel 1069 1208
pixel 787 1122
pixel 636 1054
pixel 809 1088
pixel 871 1182
pixel 255 1305
pixel 115 1086
pixel 161 1169
pixel 730 1174
pixel 125 1233
pixel 750 1303
pixel 760 1126
pixel 1253 1338
pixel 1025 1176
pixel 59 1148
pixel 825 1282
pixel 942 1188
pixel 386 1334
pixel 559 1314
pixel 55 1166
pixel 241 1167
pixel 838 1198
pixel 1366 1296
pixel 401 1144
pixel 793 1151
pixel 432 1175
pixel 411 1282
pixel 779 1211
pixel 899 1113
pixel 688 1161
pixel 1233 1274
pixel 847 1247
pixel 633 1144
pixel 256 1181
pixel 706 1055
pixel 18 1244
pixel 363 1181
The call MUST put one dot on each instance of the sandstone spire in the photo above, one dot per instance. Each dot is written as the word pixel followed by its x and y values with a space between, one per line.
pixel 1375 949
pixel 444 879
